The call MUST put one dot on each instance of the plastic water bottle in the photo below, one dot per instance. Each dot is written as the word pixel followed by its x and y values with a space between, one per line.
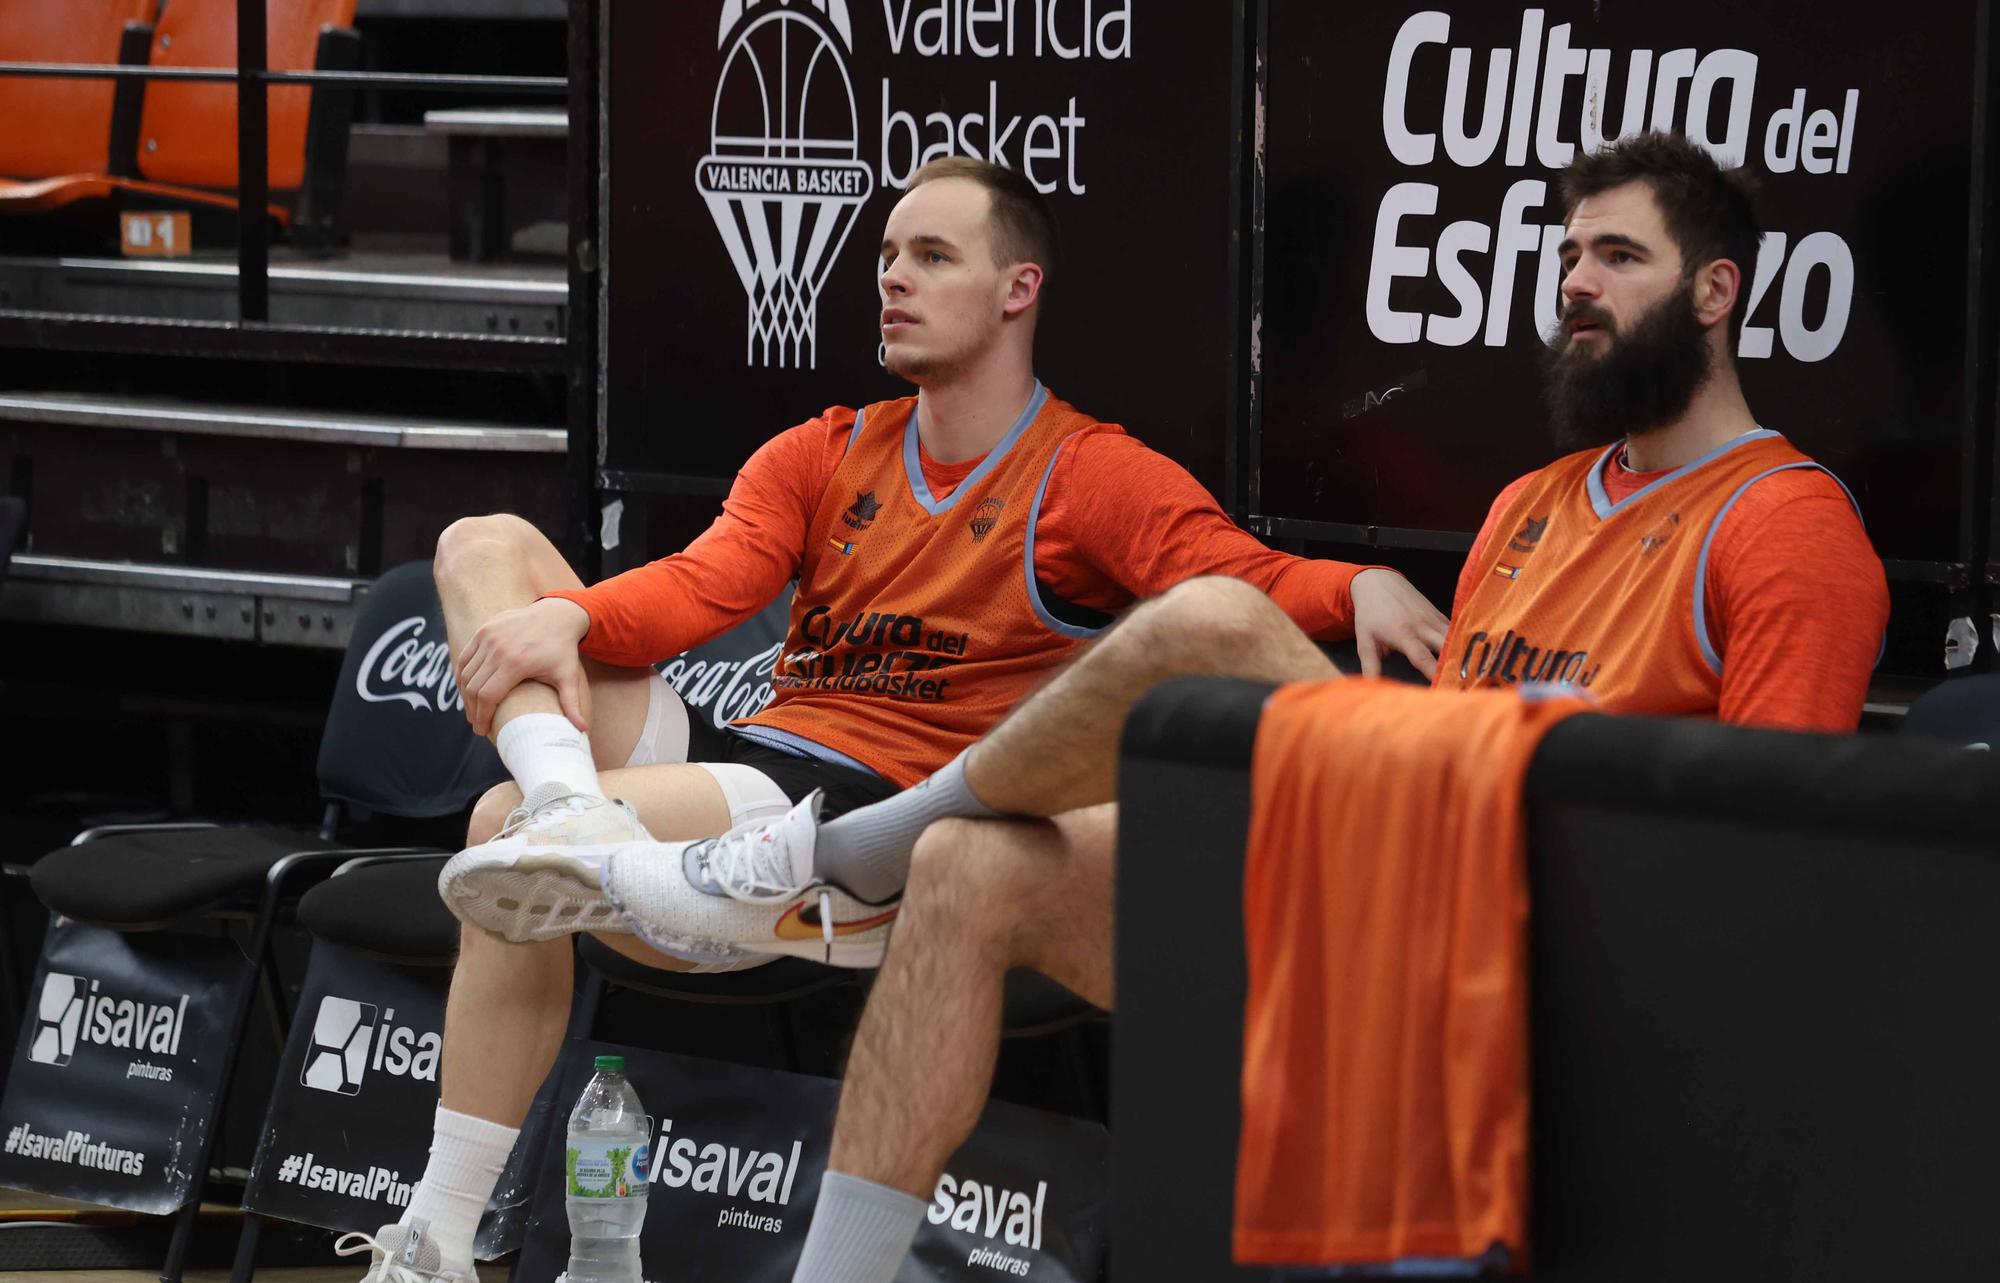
pixel 604 1175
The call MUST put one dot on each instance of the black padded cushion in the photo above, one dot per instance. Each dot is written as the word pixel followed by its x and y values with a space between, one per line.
pixel 390 911
pixel 1901 787
pixel 138 880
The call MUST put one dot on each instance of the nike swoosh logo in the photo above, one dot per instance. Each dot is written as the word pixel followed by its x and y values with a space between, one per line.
pixel 792 925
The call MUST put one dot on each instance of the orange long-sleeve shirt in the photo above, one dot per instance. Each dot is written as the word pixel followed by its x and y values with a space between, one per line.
pixel 1797 599
pixel 1119 523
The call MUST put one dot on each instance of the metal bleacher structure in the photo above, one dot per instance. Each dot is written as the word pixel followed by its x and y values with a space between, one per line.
pixel 310 395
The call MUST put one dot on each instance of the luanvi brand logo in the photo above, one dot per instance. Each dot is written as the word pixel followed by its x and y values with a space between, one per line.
pixel 401 667
pixel 985 517
pixel 1656 538
pixel 783 177
pixel 1008 1217
pixel 861 513
pixel 1529 536
pixel 74 1009
pixel 348 1041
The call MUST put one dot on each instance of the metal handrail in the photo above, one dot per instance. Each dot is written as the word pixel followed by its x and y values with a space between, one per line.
pixel 252 132
pixel 402 80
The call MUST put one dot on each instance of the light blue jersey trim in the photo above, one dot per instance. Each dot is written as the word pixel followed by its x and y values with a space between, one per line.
pixel 1708 652
pixel 798 746
pixel 860 421
pixel 1600 501
pixel 913 464
pixel 1041 610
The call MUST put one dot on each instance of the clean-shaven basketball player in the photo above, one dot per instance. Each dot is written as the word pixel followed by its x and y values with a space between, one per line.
pixel 951 548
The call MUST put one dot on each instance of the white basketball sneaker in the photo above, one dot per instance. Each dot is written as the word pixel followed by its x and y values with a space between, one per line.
pixel 752 889
pixel 539 878
pixel 402 1254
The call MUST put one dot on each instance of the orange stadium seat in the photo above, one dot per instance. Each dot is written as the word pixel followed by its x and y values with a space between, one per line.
pixel 71 137
pixel 186 137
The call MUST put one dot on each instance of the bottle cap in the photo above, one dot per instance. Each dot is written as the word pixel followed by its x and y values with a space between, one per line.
pixel 616 1064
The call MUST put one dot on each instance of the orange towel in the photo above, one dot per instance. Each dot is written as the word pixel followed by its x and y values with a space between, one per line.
pixel 1385 1067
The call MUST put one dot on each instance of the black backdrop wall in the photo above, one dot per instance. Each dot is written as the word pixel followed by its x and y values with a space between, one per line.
pixel 1308 245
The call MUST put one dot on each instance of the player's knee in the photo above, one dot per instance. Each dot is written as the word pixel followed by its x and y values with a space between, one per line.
pixel 489 813
pixel 1212 616
pixel 472 539
pixel 969 874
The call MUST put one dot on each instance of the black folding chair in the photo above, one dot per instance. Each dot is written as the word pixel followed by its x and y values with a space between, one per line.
pixel 396 743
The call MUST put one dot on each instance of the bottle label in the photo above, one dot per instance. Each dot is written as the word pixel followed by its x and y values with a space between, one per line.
pixel 606 1167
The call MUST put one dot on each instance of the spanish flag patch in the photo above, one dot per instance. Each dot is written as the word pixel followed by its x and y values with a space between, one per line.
pixel 1507 572
pixel 842 548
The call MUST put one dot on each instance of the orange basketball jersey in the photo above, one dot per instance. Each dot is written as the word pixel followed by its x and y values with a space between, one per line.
pixel 917 623
pixel 1610 598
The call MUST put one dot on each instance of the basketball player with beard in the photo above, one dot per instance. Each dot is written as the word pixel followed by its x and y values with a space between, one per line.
pixel 1686 559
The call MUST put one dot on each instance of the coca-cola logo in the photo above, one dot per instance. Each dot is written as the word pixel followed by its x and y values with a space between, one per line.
pixel 401 667
pixel 725 688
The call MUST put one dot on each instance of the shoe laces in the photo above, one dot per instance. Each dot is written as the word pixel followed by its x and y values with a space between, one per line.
pixel 547 806
pixel 751 864
pixel 389 1269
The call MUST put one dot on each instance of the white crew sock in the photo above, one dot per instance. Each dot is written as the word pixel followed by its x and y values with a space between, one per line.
pixel 538 748
pixel 467 1155
pixel 860 1232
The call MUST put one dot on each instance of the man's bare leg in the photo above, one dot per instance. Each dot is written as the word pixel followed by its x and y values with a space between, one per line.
pixel 1058 750
pixel 488 565
pixel 509 1007
pixel 985 896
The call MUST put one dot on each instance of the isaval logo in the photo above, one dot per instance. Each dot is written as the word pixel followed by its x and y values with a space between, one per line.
pixel 348 1041
pixel 783 177
pixel 73 1010
pixel 58 1019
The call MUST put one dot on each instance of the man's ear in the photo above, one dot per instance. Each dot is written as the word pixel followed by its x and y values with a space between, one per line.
pixel 1717 287
pixel 1024 286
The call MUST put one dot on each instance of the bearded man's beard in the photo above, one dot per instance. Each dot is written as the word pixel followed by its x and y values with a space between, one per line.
pixel 1644 379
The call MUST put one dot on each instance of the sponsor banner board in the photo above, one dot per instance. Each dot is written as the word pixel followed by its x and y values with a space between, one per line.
pixel 743 230
pixel 349 1128
pixel 1412 227
pixel 115 1073
pixel 737 1155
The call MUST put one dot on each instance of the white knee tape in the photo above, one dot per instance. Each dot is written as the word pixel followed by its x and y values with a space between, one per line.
pixel 752 795
pixel 665 737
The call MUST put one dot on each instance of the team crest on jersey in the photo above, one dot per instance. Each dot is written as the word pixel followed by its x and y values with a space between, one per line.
pixel 985 517
pixel 861 513
pixel 1529 536
pixel 1656 538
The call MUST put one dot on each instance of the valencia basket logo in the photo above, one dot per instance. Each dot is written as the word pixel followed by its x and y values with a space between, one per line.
pixel 782 178
pixel 338 1056
pixel 58 1019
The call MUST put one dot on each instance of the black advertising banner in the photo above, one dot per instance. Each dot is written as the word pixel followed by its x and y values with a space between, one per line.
pixel 115 1073
pixel 1023 1198
pixel 737 1156
pixel 349 1128
pixel 1412 223
pixel 755 148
